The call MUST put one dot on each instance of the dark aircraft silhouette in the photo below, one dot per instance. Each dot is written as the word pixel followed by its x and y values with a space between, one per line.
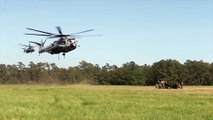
pixel 64 44
pixel 28 48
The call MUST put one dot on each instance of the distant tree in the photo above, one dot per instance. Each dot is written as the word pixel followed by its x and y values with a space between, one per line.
pixel 75 75
pixel 54 72
pixel 135 73
pixel 105 74
pixel 199 73
pixel 22 75
pixel 11 74
pixel 3 73
pixel 169 70
pixel 148 78
pixel 89 71
pixel 129 74
pixel 37 72
pixel 211 74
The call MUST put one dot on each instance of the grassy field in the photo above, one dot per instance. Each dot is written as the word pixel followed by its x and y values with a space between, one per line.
pixel 87 102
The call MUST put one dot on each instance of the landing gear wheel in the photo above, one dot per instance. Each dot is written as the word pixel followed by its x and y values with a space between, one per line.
pixel 64 54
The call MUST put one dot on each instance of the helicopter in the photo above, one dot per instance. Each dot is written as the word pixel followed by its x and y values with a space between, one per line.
pixel 28 48
pixel 64 44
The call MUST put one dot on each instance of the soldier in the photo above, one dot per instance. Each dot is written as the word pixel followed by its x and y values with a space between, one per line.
pixel 157 85
pixel 162 83
pixel 181 85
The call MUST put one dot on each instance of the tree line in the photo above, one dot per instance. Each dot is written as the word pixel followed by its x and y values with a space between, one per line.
pixel 130 73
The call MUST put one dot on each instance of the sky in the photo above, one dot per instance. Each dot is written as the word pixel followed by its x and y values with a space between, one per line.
pixel 143 31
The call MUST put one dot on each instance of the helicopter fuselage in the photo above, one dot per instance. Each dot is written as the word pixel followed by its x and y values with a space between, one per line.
pixel 60 46
pixel 29 50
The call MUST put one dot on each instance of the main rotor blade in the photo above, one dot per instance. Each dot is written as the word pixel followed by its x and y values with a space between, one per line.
pixel 57 36
pixel 59 30
pixel 80 36
pixel 39 44
pixel 84 31
pixel 37 34
pixel 40 31
pixel 24 45
pixel 87 35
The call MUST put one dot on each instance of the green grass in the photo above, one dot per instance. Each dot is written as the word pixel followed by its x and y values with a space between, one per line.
pixel 87 102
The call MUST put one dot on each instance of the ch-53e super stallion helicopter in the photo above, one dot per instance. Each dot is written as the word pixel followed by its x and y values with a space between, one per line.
pixel 64 44
pixel 28 48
